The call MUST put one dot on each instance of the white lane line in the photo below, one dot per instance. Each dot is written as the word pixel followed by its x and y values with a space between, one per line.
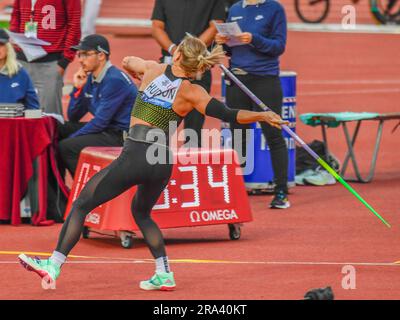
pixel 124 22
pixel 348 82
pixel 217 82
pixel 344 92
pixel 337 27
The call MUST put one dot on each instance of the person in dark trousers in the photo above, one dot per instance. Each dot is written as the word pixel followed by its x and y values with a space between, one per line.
pixel 171 20
pixel 229 4
pixel 59 23
pixel 90 15
pixel 166 96
pixel 256 64
pixel 101 90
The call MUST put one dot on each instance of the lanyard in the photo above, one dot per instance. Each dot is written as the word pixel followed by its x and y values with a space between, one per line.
pixel 33 3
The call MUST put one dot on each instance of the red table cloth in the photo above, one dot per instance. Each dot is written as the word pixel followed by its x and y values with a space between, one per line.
pixel 23 140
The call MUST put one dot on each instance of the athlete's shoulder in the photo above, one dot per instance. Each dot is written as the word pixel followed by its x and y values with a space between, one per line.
pixel 191 91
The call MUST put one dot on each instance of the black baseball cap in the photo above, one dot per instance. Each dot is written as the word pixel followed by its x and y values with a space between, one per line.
pixel 4 37
pixel 94 42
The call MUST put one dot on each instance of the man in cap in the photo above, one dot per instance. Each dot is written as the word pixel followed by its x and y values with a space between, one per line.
pixel 57 22
pixel 102 90
pixel 106 93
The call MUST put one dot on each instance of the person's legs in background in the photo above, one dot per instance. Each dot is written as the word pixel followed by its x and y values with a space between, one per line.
pixel 268 90
pixel 70 148
pixel 56 201
pixel 195 120
pixel 49 83
pixel 63 132
pixel 91 12
pixel 237 99
pixel 68 128
pixel 67 156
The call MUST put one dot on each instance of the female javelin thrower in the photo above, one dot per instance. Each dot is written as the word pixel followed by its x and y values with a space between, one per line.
pixel 165 95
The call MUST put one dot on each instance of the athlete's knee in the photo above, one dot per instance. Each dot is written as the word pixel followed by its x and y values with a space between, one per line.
pixel 141 217
pixel 82 205
pixel 65 147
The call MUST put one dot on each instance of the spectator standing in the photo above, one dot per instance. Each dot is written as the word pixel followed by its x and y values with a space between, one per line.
pixel 90 14
pixel 57 22
pixel 171 19
pixel 103 91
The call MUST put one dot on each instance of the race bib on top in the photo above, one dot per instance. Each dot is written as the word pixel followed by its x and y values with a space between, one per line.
pixel 162 91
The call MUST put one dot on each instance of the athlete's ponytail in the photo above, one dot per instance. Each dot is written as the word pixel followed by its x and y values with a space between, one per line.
pixel 195 56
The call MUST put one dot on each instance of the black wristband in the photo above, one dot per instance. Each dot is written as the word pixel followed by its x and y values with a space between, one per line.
pixel 220 111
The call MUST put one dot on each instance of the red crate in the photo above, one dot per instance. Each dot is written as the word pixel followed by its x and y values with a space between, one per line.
pixel 205 193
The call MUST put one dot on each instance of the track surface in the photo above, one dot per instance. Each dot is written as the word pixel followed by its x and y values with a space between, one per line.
pixel 281 254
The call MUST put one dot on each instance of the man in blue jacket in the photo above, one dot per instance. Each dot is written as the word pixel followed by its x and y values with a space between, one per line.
pixel 102 90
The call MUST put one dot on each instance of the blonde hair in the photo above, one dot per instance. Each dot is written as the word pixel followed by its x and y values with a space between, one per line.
pixel 12 67
pixel 195 56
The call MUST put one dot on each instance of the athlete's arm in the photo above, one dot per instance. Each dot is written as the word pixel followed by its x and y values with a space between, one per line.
pixel 207 105
pixel 208 35
pixel 161 36
pixel 137 66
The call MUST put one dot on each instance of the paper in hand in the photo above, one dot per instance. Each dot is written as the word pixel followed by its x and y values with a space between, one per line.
pixel 31 47
pixel 230 29
pixel 21 38
pixel 32 52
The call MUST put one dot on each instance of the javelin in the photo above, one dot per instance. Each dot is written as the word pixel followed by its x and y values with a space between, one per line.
pixel 303 144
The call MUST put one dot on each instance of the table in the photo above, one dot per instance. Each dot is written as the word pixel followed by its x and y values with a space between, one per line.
pixel 22 142
pixel 341 118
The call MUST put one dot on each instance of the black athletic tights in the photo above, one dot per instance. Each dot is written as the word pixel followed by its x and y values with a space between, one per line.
pixel 129 169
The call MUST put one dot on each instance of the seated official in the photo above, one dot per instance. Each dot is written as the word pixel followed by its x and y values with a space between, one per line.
pixel 102 90
pixel 15 84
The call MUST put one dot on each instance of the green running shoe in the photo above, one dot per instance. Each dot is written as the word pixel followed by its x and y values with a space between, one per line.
pixel 160 281
pixel 44 268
